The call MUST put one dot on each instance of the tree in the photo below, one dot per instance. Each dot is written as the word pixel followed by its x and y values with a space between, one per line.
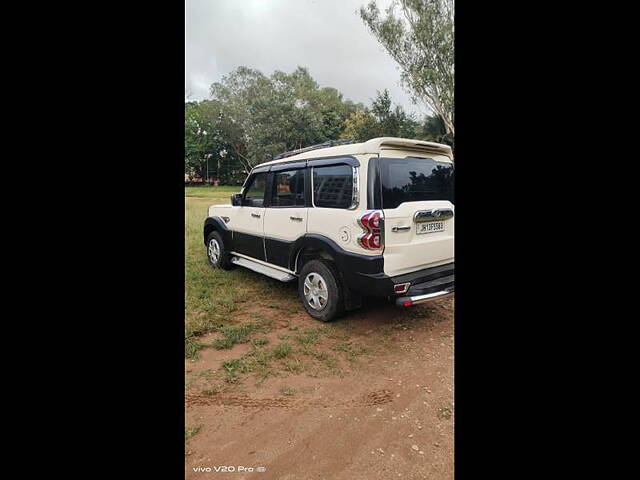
pixel 360 126
pixel 382 120
pixel 197 142
pixel 421 41
pixel 251 117
pixel 435 130
pixel 393 122
pixel 278 113
pixel 209 137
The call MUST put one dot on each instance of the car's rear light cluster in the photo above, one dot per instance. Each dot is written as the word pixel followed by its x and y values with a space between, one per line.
pixel 372 223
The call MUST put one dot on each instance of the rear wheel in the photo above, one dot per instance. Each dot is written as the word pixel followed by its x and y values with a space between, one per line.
pixel 320 290
pixel 216 252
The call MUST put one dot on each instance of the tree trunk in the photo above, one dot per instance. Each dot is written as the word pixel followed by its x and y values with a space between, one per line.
pixel 449 126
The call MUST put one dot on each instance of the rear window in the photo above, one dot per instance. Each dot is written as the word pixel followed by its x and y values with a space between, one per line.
pixel 415 179
pixel 333 186
pixel 288 189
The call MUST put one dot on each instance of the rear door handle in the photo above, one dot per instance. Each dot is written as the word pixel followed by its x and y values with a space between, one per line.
pixel 297 219
pixel 255 215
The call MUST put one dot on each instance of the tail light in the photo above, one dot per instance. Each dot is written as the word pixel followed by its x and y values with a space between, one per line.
pixel 372 224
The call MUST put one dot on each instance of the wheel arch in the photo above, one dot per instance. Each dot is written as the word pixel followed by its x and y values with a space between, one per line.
pixel 216 224
pixel 312 246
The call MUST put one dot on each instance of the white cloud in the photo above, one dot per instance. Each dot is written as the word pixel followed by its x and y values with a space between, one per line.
pixel 326 36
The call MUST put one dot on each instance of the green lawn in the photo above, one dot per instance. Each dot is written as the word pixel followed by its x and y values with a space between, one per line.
pixel 222 193
pixel 215 299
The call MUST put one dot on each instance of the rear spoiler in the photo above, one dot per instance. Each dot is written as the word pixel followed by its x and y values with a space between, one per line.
pixel 377 144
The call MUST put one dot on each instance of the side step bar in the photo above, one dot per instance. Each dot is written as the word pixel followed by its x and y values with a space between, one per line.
pixel 263 269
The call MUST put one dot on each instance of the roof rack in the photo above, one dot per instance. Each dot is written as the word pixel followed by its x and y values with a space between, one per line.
pixel 330 143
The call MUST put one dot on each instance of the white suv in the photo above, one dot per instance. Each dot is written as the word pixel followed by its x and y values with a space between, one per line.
pixel 346 221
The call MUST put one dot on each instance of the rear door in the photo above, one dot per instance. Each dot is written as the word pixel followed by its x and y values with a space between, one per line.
pixel 417 200
pixel 285 218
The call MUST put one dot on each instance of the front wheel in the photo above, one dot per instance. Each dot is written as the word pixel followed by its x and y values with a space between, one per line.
pixel 217 253
pixel 320 290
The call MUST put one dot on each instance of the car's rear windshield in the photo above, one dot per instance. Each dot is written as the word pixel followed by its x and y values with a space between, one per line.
pixel 413 179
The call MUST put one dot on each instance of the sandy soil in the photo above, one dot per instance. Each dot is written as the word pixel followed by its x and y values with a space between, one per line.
pixel 389 414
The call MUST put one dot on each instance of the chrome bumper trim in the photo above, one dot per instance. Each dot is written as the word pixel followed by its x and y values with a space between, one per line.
pixel 418 299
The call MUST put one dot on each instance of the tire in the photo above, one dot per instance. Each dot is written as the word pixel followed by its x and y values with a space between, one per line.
pixel 320 279
pixel 221 260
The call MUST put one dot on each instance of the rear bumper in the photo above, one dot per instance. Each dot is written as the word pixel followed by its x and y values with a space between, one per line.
pixel 423 283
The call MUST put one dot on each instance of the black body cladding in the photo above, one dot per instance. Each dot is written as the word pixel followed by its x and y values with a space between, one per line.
pixel 249 245
pixel 278 252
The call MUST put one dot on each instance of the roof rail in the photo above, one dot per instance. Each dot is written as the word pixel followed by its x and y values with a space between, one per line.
pixel 330 143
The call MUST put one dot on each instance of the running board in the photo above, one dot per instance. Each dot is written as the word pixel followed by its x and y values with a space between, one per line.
pixel 263 269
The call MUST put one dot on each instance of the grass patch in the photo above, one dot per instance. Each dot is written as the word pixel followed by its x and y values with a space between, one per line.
pixel 327 363
pixel 288 391
pixel 232 367
pixel 263 363
pixel 191 347
pixel 189 432
pixel 222 192
pixel 256 362
pixel 282 350
pixel 208 373
pixel 351 349
pixel 233 335
pixel 259 341
pixel 260 363
pixel 309 336
pixel 293 366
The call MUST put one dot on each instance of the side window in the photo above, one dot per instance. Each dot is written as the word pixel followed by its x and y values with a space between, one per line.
pixel 333 186
pixel 288 189
pixel 254 194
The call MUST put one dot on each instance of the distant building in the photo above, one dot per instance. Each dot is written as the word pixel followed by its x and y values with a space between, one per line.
pixel 198 180
pixel 192 178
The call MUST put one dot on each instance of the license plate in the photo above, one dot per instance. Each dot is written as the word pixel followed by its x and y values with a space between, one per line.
pixel 429 227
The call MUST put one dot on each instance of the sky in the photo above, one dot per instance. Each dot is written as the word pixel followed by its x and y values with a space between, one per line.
pixel 326 36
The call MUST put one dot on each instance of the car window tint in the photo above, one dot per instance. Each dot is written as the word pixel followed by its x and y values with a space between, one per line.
pixel 288 189
pixel 254 195
pixel 333 186
pixel 413 179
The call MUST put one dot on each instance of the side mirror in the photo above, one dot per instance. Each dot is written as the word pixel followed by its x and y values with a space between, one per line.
pixel 236 199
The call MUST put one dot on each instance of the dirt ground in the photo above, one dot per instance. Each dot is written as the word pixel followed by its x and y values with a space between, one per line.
pixel 386 413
